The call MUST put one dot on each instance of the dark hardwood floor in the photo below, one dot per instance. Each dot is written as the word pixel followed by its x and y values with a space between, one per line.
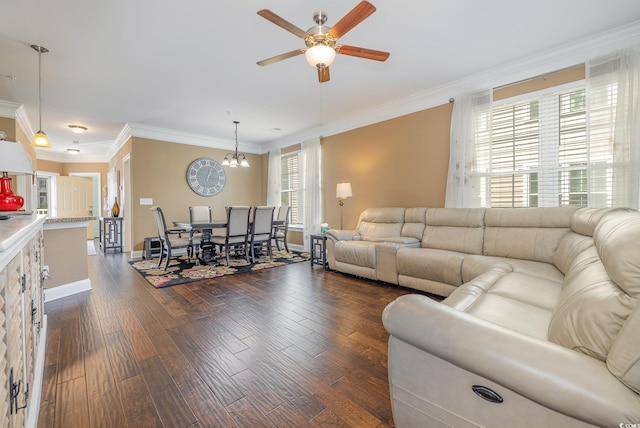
pixel 285 347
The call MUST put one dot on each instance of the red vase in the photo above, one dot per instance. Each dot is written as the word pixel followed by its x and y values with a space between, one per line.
pixel 9 201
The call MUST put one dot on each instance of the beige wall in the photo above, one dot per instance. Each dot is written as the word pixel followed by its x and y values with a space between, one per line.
pixel 538 83
pixel 399 162
pixel 9 127
pixel 65 252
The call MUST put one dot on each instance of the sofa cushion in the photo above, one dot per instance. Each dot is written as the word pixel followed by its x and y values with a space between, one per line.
pixel 414 223
pixel 381 222
pixel 591 308
pixel 512 314
pixel 474 265
pixel 529 234
pixel 569 247
pixel 525 288
pixel 454 229
pixel 358 253
pixel 432 264
pixel 617 239
pixel 585 220
pixel 624 356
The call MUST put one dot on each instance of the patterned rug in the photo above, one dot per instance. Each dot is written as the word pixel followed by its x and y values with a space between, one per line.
pixel 181 272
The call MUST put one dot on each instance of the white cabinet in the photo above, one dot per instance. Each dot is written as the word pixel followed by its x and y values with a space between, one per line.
pixel 21 322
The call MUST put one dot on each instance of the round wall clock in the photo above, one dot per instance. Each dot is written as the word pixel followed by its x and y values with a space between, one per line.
pixel 206 177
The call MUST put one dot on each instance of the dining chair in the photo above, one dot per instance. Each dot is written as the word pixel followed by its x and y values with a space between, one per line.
pixel 236 234
pixel 199 214
pixel 281 229
pixel 261 230
pixel 170 239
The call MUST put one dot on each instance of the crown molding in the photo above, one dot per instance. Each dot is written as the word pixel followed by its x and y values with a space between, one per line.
pixel 8 109
pixel 174 136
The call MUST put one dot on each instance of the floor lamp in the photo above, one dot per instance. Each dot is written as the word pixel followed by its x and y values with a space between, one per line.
pixel 343 191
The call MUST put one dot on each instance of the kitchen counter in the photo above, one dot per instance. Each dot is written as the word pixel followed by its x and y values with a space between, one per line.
pixel 14 229
pixel 68 219
pixel 67 222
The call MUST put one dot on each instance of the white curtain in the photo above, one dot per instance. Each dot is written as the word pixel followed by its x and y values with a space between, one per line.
pixel 470 122
pixel 619 70
pixel 311 183
pixel 274 179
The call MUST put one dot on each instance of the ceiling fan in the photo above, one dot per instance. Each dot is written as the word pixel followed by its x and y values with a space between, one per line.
pixel 321 41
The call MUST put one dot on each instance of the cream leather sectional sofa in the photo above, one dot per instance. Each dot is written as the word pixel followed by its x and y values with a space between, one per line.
pixel 541 326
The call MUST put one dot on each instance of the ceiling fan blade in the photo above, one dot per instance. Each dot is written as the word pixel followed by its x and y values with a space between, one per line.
pixel 281 22
pixel 323 74
pixel 351 19
pixel 362 52
pixel 280 57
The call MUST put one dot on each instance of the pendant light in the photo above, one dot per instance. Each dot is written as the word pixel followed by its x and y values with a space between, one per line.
pixel 234 160
pixel 40 139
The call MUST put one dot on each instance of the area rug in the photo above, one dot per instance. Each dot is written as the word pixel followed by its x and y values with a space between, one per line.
pixel 180 271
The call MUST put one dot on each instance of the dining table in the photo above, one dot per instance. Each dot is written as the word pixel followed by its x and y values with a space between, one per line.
pixel 205 245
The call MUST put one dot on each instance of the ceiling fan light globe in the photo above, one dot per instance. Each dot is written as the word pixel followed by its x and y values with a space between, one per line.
pixel 320 56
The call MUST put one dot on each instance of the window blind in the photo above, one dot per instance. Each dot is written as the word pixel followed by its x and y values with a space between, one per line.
pixel 289 194
pixel 547 151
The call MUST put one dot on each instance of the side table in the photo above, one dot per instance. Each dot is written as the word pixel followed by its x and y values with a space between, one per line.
pixel 111 233
pixel 318 246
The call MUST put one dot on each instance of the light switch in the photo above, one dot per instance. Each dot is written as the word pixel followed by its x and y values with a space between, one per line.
pixel 146 201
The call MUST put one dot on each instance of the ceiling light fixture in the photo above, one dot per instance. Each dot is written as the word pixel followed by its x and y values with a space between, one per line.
pixel 73 151
pixel 78 129
pixel 235 159
pixel 40 139
pixel 320 51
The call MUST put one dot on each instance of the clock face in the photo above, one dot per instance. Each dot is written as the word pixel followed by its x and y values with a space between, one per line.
pixel 206 177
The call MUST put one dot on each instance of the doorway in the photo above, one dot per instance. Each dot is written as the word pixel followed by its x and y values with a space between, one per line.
pixel 94 226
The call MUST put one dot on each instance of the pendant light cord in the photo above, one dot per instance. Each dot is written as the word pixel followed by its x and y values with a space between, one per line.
pixel 40 88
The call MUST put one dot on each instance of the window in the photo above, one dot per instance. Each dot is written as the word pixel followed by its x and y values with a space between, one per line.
pixel 547 151
pixel 290 188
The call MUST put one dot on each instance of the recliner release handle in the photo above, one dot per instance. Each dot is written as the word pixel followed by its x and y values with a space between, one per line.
pixel 487 394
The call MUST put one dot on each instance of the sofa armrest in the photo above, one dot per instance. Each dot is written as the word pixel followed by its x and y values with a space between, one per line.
pixel 556 377
pixel 399 241
pixel 343 235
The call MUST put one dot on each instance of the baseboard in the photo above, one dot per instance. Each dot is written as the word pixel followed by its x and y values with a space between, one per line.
pixel 137 254
pixel 35 389
pixel 65 290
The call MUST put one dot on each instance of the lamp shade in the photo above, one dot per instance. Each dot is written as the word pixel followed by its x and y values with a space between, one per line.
pixel 320 55
pixel 14 159
pixel 41 140
pixel 343 190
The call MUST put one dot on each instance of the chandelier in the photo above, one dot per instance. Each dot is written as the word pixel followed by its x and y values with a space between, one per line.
pixel 235 159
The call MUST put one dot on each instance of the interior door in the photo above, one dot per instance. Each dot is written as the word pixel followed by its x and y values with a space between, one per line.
pixel 75 197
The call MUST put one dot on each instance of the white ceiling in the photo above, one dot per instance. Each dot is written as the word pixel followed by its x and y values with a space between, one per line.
pixel 184 71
